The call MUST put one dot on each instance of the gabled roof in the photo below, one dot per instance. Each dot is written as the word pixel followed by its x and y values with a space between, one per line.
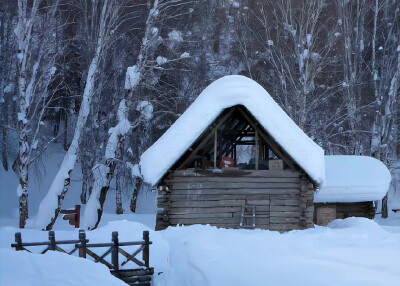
pixel 222 94
pixel 351 179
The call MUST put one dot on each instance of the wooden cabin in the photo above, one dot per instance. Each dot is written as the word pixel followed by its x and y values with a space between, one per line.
pixel 206 186
pixel 201 176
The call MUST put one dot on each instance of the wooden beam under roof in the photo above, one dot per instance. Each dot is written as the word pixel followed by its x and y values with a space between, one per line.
pixel 227 128
pixel 208 135
pixel 274 146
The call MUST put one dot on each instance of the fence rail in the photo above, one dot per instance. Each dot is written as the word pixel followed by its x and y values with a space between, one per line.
pixel 138 276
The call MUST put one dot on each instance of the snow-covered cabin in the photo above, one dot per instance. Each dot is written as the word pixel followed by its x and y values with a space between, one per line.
pixel 352 185
pixel 195 164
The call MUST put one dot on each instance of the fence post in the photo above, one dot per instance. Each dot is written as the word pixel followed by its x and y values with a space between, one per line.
pixel 82 240
pixel 18 240
pixel 52 238
pixel 114 253
pixel 146 250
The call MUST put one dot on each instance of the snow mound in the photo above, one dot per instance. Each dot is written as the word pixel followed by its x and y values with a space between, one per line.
pixel 52 268
pixel 353 251
pixel 353 179
pixel 361 224
pixel 225 93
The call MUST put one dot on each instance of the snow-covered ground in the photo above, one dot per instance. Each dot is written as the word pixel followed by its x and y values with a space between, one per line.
pixel 347 252
pixel 354 251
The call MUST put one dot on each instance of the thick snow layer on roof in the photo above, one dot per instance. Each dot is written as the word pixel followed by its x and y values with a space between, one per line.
pixel 221 94
pixel 351 179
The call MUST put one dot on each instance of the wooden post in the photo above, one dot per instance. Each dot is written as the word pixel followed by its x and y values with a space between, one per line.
pixel 215 147
pixel 234 153
pixel 385 213
pixel 78 216
pixel 52 238
pixel 303 200
pixel 114 253
pixel 146 250
pixel 82 239
pixel 18 240
pixel 256 146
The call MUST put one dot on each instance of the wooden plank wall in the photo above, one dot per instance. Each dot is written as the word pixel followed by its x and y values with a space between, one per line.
pixel 283 199
pixel 345 210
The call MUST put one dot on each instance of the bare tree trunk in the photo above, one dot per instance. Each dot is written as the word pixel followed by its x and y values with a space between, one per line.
pixel 118 195
pixel 104 173
pixel 23 180
pixel 119 175
pixel 138 185
pixel 87 163
pixel 51 205
pixel 24 33
pixel 143 136
pixel 65 145
pixel 385 213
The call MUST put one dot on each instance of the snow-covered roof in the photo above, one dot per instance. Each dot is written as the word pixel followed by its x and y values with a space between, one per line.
pixel 223 93
pixel 351 179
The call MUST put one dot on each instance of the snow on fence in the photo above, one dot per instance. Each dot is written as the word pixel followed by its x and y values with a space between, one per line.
pixel 138 276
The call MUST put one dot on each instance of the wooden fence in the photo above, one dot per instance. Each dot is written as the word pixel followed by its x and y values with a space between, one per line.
pixel 141 275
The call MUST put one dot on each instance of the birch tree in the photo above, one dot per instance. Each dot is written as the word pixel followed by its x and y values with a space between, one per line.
pixel 296 46
pixel 104 12
pixel 136 73
pixel 33 80
pixel 385 74
pixel 146 73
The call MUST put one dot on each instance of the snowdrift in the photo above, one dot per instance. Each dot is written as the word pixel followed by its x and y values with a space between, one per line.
pixel 353 251
pixel 54 268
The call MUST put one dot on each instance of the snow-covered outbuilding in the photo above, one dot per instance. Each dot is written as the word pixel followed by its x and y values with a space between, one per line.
pixel 195 163
pixel 352 184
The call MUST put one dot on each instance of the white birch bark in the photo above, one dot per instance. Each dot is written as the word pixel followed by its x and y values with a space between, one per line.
pixel 51 204
pixel 136 73
pixel 103 173
pixel 23 34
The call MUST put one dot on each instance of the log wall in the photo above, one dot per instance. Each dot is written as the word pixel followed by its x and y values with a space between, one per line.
pixel 283 199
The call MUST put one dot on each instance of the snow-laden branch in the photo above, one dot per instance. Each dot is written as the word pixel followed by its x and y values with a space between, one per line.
pixel 104 172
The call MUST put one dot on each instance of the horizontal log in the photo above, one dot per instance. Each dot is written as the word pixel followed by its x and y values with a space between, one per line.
pixel 232 221
pixel 259 215
pixel 201 215
pixel 243 191
pixel 285 214
pixel 284 219
pixel 205 221
pixel 229 185
pixel 284 226
pixel 246 179
pixel 252 173
pixel 290 202
pixel 219 203
pixel 178 198
pixel 292 208
pixel 185 210
pixel 134 272
pixel 258 202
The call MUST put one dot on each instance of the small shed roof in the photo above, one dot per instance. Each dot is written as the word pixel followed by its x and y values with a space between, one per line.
pixel 222 94
pixel 352 179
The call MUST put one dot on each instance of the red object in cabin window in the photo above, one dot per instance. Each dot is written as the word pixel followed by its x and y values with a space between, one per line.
pixel 227 162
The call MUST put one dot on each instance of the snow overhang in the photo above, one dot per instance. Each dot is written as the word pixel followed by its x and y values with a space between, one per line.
pixel 222 94
pixel 350 179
